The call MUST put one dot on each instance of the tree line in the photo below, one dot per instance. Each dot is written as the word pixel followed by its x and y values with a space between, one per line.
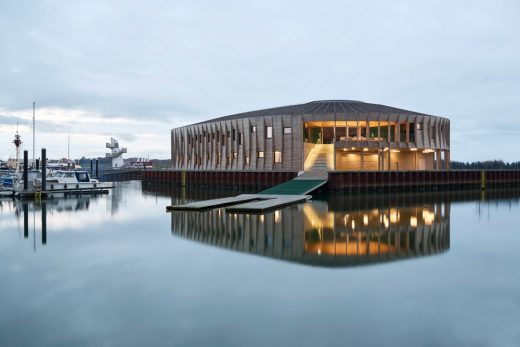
pixel 485 165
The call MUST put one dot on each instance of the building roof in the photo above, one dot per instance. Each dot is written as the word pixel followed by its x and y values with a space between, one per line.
pixel 320 107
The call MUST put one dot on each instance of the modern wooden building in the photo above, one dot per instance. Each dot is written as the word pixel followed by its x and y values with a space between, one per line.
pixel 331 135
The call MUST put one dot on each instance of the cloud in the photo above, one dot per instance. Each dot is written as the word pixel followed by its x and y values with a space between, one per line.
pixel 178 63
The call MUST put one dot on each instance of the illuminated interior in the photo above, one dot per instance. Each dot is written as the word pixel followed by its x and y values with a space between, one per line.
pixel 377 231
pixel 366 146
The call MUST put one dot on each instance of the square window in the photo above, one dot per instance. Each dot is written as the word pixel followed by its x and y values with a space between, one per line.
pixel 260 154
pixel 269 132
pixel 277 156
pixel 419 126
pixel 287 130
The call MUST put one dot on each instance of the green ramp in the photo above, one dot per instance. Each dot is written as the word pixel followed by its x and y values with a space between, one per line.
pixel 295 187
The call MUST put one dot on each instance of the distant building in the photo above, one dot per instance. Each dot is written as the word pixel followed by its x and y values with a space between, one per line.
pixel 112 160
pixel 139 163
pixel 116 153
pixel 331 135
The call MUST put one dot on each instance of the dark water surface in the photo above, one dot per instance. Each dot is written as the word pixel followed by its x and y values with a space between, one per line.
pixel 393 270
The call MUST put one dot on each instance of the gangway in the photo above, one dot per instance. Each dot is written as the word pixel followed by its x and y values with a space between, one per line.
pixel 301 185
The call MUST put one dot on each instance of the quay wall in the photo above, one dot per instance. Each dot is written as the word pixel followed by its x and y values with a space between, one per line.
pixel 220 179
pixel 421 180
pixel 339 181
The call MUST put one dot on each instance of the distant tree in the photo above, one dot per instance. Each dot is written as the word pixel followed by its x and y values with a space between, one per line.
pixel 485 165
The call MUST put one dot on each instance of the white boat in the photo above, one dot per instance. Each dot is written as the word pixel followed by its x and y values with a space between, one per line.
pixel 73 180
pixel 6 192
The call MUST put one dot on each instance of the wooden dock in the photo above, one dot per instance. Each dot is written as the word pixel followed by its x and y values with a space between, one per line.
pixel 213 203
pixel 32 194
pixel 272 202
pixel 244 203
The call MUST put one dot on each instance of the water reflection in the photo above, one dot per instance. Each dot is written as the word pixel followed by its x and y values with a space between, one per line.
pixel 316 233
pixel 34 213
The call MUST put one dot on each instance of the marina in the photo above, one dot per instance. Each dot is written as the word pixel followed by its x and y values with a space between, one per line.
pixel 41 181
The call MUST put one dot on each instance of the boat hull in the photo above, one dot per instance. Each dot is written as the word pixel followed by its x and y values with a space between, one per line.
pixel 54 186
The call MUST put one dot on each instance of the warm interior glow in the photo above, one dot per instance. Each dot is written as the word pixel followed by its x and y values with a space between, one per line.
pixel 351 248
pixel 394 215
pixel 317 221
pixel 428 217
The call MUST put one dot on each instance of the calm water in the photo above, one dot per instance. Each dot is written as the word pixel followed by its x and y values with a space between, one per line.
pixel 402 270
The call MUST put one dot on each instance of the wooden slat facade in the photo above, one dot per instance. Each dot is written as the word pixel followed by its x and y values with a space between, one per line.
pixel 229 144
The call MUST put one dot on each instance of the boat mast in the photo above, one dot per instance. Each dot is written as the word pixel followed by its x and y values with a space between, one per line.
pixel 34 124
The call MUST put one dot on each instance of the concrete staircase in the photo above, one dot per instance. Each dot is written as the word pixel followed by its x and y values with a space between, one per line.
pixel 321 158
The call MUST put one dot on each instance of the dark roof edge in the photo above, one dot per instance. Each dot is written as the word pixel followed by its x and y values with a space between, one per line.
pixel 319 107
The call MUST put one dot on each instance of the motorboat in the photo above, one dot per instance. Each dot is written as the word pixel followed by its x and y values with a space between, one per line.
pixel 73 180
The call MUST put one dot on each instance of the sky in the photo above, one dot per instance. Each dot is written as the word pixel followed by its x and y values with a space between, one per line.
pixel 135 69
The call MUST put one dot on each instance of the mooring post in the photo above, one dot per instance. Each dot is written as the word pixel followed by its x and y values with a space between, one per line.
pixel 37 164
pixel 91 167
pixel 97 168
pixel 44 169
pixel 44 222
pixel 25 169
pixel 25 220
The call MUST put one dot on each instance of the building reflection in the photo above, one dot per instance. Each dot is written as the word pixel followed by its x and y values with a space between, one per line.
pixel 314 233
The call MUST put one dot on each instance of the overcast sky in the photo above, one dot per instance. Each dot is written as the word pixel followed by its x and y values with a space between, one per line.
pixel 135 69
